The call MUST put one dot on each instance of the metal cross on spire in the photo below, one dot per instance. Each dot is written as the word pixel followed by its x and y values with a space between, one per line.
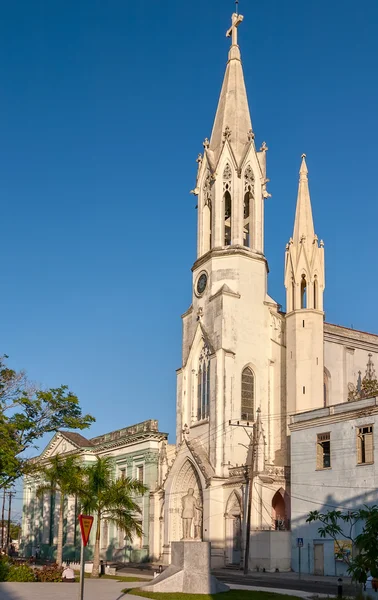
pixel 236 19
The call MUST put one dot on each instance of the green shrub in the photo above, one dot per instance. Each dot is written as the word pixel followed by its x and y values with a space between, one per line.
pixel 20 573
pixel 49 573
pixel 4 568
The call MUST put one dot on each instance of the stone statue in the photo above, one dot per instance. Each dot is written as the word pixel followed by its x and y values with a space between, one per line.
pixel 198 524
pixel 189 508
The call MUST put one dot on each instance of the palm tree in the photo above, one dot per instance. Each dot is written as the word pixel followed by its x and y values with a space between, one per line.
pixel 61 475
pixel 112 499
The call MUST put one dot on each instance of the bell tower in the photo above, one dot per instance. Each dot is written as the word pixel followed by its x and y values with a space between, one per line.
pixel 226 331
pixel 305 283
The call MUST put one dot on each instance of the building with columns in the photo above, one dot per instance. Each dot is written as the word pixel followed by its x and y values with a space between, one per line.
pixel 136 451
pixel 247 366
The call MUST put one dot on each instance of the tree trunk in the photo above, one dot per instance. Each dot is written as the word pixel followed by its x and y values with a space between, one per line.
pixel 96 553
pixel 59 552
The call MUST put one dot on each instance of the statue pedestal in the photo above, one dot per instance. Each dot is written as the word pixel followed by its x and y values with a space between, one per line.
pixel 188 572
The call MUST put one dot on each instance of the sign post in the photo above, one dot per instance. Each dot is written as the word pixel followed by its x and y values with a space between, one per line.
pixel 85 522
pixel 300 546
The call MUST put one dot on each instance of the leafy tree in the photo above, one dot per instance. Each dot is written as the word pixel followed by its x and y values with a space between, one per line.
pixel 26 414
pixel 112 499
pixel 63 476
pixel 15 530
pixel 364 559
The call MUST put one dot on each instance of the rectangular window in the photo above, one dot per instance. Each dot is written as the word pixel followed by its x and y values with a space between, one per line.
pixel 123 473
pixel 323 451
pixel 365 447
pixel 140 474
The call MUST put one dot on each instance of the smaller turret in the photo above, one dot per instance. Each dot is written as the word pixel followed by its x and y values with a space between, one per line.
pixel 304 282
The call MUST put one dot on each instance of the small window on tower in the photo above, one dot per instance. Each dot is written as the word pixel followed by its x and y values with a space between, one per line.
pixel 365 447
pixel 323 451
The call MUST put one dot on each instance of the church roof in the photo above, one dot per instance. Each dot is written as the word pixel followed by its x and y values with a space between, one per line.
pixel 232 117
pixel 77 439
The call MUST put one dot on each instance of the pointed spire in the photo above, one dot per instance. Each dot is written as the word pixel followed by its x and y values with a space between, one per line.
pixel 304 224
pixel 232 120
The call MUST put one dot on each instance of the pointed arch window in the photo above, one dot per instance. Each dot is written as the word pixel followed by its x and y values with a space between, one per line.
pixel 249 193
pixel 303 292
pixel 247 394
pixel 227 202
pixel 203 385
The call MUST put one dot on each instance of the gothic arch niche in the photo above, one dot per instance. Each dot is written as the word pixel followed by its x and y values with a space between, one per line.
pixel 280 511
pixel 186 478
pixel 233 529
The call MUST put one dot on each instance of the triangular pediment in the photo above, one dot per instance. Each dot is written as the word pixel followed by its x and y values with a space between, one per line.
pixel 62 444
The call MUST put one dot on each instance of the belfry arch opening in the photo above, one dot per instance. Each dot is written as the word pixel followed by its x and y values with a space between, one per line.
pixel 303 292
pixel 247 219
pixel 227 218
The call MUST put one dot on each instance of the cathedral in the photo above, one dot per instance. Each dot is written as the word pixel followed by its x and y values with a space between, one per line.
pixel 247 366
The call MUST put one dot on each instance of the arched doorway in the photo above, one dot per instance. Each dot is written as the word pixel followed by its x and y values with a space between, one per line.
pixel 186 478
pixel 279 511
pixel 233 524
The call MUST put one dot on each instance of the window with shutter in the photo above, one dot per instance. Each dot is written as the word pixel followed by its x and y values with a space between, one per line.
pixel 323 451
pixel 365 445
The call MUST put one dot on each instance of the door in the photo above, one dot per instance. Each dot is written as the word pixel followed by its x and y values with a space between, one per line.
pixel 318 559
pixel 236 545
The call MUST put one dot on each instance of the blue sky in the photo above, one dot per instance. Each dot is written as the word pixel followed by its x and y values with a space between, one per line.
pixel 104 107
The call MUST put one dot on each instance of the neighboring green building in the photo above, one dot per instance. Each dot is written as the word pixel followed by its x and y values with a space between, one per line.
pixel 136 451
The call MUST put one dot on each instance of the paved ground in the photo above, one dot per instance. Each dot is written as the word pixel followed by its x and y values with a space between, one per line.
pixel 103 589
pixel 279 581
pixel 287 581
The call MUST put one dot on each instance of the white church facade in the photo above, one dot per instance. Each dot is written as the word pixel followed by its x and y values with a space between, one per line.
pixel 246 365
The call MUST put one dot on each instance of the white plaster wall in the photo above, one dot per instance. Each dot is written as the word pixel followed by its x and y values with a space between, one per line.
pixel 345 485
pixel 345 354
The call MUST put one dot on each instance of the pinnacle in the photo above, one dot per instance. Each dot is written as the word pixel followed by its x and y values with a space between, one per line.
pixel 303 225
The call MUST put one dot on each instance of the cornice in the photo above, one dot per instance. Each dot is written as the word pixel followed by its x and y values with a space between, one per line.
pixel 229 251
pixel 332 417
pixel 335 334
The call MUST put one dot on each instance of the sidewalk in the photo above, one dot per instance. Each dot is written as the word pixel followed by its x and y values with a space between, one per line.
pixel 100 589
